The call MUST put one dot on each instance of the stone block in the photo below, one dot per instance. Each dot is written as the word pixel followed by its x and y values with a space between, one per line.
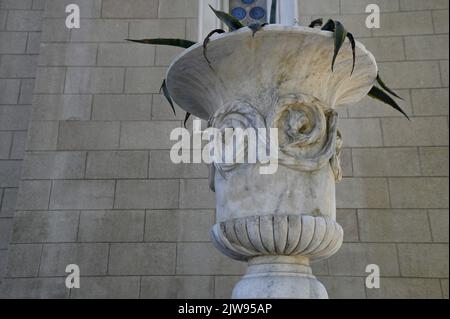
pixel 311 7
pixel 344 287
pixel 10 91
pixel 204 259
pixel 418 5
pixel 82 195
pixel 347 218
pixel 178 9
pixel 434 161
pixel 405 23
pixel 16 4
pixel 147 194
pixel 26 91
pixel 131 9
pixel 394 226
pixel 427 47
pixel 34 288
pixel 117 165
pixel 61 107
pixel 386 162
pixel 88 135
pixel 406 288
pixel 423 260
pixel 122 107
pixel 18 66
pixel 420 131
pixel 165 55
pixel 178 226
pixel 94 80
pixel 18 147
pixel 362 193
pixel 125 54
pixel 161 166
pixel 111 226
pixel 410 75
pixel 440 20
pixel 9 202
pixel 361 132
pixel 13 42
pixel 386 48
pixel 164 28
pixel 430 102
pixel 91 258
pixel 33 195
pixel 419 192
pixel 6 139
pixel 439 221
pixel 55 30
pixel 177 287
pixel 50 80
pixel 224 285
pixel 45 227
pixel 359 6
pixel 88 8
pixel 353 258
pixel 14 117
pixel 43 135
pixel 142 259
pixel 24 20
pixel 5 232
pixel 100 31
pixel 23 260
pixel 9 173
pixel 68 54
pixel 144 80
pixel 195 194
pixel 147 135
pixel 34 42
pixel 107 288
pixel 54 165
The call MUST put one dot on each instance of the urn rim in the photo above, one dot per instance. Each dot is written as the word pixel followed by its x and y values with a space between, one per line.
pixel 203 98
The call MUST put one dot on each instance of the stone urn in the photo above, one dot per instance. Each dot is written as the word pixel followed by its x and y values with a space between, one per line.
pixel 279 78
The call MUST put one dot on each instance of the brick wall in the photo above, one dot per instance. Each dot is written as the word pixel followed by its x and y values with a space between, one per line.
pixel 20 26
pixel 98 188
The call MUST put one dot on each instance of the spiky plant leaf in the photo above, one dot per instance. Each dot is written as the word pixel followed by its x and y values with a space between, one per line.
pixel 230 21
pixel 171 42
pixel 316 23
pixel 188 115
pixel 353 44
pixel 256 26
pixel 340 34
pixel 378 94
pixel 165 90
pixel 384 86
pixel 273 12
pixel 206 41
pixel 329 26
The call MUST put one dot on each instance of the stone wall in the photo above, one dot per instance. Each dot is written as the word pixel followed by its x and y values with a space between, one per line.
pixel 20 31
pixel 98 188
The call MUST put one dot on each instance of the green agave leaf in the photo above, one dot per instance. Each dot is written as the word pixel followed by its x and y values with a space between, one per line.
pixel 378 94
pixel 232 23
pixel 384 86
pixel 167 95
pixel 329 26
pixel 206 41
pixel 255 27
pixel 273 12
pixel 340 34
pixel 353 43
pixel 316 23
pixel 171 42
pixel 188 115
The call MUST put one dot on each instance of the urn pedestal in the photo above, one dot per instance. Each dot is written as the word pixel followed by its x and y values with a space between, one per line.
pixel 281 78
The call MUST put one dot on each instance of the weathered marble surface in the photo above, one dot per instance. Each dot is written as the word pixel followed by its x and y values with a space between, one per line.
pixel 280 79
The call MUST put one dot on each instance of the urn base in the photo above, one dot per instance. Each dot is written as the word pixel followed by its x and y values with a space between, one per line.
pixel 279 277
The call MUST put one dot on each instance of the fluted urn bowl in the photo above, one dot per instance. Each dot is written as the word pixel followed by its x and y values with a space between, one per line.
pixel 279 78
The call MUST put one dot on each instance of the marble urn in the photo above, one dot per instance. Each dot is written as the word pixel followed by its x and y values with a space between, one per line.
pixel 279 78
